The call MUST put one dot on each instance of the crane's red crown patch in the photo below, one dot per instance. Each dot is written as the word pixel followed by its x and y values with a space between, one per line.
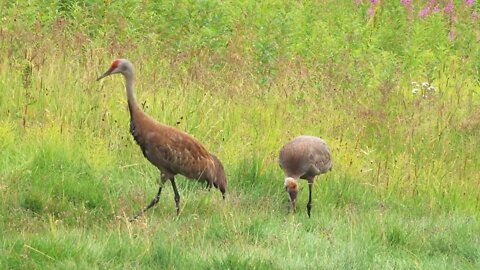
pixel 115 64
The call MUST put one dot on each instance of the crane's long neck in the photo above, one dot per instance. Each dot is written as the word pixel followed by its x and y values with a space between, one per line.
pixel 132 103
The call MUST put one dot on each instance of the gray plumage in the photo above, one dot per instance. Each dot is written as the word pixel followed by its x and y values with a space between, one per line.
pixel 304 158
pixel 171 150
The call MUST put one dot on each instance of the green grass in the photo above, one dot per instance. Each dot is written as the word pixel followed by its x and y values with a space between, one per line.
pixel 243 78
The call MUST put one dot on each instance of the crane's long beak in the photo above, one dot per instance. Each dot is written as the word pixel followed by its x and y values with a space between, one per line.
pixel 105 74
pixel 293 199
pixel 291 187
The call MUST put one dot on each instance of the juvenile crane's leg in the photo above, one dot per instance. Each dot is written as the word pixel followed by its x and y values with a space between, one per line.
pixel 207 185
pixel 177 195
pixel 309 204
pixel 150 205
pixel 210 184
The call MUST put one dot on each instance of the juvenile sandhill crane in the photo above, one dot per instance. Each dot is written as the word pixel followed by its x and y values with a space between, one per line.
pixel 304 158
pixel 172 151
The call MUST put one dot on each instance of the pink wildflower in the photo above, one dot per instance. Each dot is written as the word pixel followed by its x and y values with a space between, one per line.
pixel 469 2
pixel 474 15
pixel 432 5
pixel 451 35
pixel 370 11
pixel 408 5
pixel 449 8
pixel 424 12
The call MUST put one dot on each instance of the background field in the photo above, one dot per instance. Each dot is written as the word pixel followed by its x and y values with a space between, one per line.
pixel 244 78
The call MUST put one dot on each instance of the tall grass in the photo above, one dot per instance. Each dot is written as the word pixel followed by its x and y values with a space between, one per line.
pixel 244 78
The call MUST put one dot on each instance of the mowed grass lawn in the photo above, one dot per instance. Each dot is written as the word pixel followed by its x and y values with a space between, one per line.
pixel 391 86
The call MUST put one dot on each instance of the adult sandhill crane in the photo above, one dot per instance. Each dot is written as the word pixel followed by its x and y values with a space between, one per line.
pixel 172 151
pixel 304 158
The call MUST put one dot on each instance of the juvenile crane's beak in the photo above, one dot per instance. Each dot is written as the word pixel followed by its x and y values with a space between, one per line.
pixel 105 74
pixel 293 199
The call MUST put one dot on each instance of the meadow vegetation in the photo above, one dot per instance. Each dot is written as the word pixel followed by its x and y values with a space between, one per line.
pixel 392 86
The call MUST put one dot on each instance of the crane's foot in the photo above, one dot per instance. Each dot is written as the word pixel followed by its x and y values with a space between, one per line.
pixel 309 209
pixel 291 209
pixel 209 185
pixel 132 219
pixel 150 205
pixel 177 205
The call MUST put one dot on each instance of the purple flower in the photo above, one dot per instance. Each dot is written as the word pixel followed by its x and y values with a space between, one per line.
pixel 424 12
pixel 474 15
pixel 370 11
pixel 451 35
pixel 431 6
pixel 408 5
pixel 469 2
pixel 449 8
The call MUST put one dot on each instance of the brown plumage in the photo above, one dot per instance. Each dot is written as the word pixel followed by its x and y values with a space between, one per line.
pixel 304 158
pixel 171 150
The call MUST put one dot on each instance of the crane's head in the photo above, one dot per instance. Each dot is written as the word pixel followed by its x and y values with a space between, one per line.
pixel 220 180
pixel 118 66
pixel 291 186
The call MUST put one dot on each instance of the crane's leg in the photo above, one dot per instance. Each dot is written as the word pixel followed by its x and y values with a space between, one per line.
pixel 210 184
pixel 309 204
pixel 150 205
pixel 163 177
pixel 177 195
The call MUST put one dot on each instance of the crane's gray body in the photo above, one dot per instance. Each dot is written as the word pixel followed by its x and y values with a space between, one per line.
pixel 171 150
pixel 305 157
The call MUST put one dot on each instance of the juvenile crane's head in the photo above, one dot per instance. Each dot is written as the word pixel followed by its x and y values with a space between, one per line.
pixel 118 66
pixel 291 186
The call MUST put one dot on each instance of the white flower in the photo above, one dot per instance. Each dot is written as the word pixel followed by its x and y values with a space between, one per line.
pixel 415 90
